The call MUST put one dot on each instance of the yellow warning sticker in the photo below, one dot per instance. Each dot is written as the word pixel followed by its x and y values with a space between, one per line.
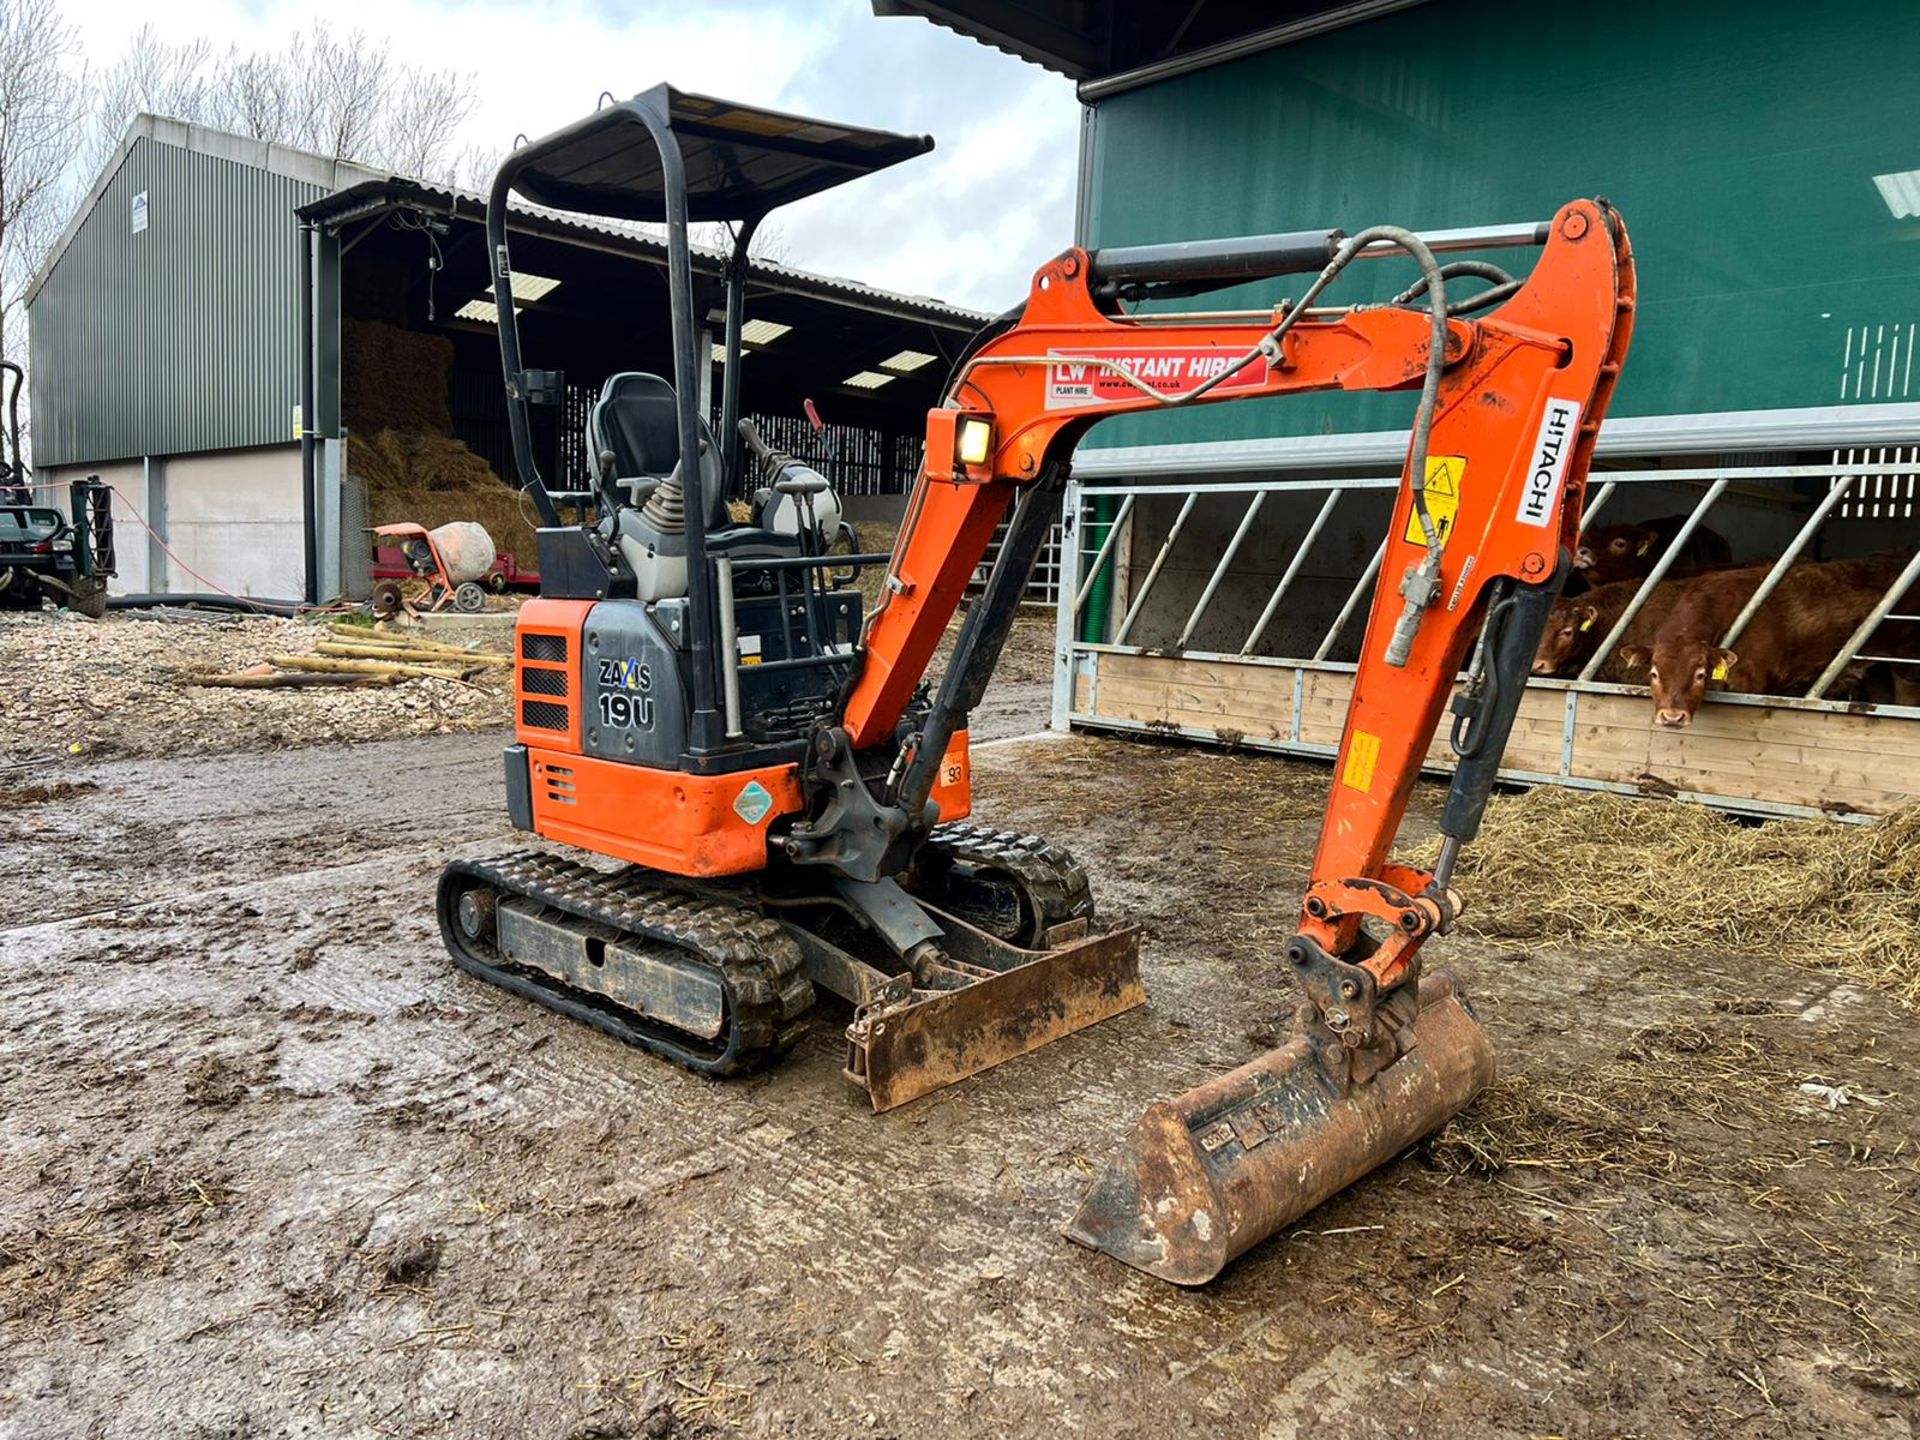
pixel 1362 755
pixel 1444 474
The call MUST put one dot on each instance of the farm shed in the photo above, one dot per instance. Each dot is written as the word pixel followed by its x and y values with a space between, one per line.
pixel 1223 557
pixel 168 326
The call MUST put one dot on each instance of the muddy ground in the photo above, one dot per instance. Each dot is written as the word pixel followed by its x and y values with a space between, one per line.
pixel 270 1167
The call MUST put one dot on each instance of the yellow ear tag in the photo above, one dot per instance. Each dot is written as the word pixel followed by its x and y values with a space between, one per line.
pixel 1587 624
pixel 1720 670
pixel 1645 545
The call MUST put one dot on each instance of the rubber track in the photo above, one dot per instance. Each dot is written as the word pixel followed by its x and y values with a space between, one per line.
pixel 758 962
pixel 1054 883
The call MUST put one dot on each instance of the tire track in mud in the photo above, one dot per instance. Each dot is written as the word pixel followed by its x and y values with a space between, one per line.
pixel 215 822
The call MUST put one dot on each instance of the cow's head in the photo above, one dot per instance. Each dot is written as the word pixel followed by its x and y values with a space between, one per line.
pixel 1616 552
pixel 1570 637
pixel 1678 672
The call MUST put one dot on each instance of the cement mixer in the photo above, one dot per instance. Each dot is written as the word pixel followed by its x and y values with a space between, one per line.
pixel 452 559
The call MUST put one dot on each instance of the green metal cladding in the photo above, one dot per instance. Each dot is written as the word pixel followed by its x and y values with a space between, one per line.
pixel 1741 141
pixel 179 338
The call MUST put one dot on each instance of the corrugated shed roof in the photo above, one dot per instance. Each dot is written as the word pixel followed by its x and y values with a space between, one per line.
pixel 643 241
pixel 1049 53
pixel 348 183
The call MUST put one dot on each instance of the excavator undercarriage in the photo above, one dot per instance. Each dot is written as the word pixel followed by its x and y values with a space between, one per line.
pixel 715 976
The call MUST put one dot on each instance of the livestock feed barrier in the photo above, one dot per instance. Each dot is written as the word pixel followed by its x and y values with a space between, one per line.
pixel 1230 611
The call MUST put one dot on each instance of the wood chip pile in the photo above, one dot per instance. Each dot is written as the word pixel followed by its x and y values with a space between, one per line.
pixel 128 686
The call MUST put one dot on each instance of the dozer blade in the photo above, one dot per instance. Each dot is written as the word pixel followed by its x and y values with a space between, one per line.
pixel 1217 1170
pixel 1023 1000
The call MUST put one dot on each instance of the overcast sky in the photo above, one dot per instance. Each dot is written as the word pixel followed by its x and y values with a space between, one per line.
pixel 968 223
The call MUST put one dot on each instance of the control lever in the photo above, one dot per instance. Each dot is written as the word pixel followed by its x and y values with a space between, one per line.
pixel 784 473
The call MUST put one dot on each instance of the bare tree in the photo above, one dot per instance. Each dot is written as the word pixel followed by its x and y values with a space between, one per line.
pixel 150 74
pixel 423 114
pixel 344 91
pixel 769 242
pixel 37 101
pixel 251 96
pixel 474 168
pixel 341 95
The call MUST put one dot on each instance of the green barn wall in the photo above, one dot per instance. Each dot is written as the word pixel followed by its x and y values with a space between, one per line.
pixel 1740 141
pixel 183 337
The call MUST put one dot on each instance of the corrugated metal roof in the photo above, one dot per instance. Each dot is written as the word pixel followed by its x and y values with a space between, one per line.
pixel 642 241
pixel 1118 43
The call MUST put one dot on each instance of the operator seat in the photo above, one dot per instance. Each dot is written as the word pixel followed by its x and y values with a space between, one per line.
pixel 636 421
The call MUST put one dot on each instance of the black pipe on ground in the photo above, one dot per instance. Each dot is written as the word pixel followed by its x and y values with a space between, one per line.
pixel 247 605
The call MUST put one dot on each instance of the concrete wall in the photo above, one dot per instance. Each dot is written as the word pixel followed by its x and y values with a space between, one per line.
pixel 131 503
pixel 234 516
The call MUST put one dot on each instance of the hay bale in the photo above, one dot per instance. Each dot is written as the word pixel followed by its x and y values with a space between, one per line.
pixel 1663 874
pixel 876 538
pixel 394 379
pixel 435 480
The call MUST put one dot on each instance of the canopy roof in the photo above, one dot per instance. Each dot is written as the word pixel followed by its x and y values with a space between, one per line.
pixel 741 161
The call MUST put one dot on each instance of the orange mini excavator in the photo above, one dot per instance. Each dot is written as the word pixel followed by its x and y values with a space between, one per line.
pixel 701 697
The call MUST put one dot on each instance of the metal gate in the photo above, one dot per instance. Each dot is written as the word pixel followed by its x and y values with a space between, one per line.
pixel 1146 671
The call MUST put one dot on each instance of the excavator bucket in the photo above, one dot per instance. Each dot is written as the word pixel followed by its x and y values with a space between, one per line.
pixel 1213 1172
pixel 1015 1002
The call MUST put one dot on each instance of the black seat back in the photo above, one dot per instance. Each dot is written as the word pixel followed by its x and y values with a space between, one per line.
pixel 636 418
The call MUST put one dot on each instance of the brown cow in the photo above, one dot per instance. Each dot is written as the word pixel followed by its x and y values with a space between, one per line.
pixel 1578 623
pixel 1799 630
pixel 1610 553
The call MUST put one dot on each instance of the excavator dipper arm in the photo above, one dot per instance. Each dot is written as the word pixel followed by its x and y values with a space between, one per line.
pixel 1487 511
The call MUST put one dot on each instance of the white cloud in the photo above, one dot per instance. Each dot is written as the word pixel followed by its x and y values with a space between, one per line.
pixel 968 223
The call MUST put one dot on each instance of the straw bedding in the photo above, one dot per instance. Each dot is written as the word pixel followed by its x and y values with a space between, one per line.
pixel 1606 868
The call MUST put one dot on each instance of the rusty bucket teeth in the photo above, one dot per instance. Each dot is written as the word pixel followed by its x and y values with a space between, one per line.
pixel 1212 1173
pixel 1026 999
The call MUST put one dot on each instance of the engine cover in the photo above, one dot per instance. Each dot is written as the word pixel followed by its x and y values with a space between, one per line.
pixel 634 705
